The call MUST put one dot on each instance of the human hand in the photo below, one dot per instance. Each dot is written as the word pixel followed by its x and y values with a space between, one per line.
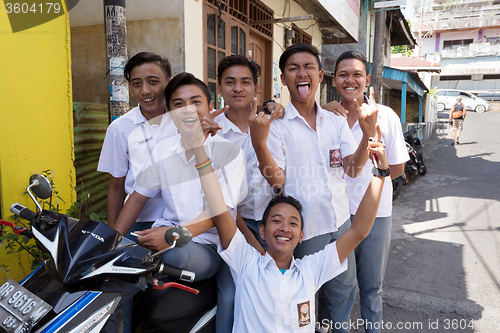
pixel 276 107
pixel 208 123
pixel 260 125
pixel 336 108
pixel 153 239
pixel 376 150
pixel 367 115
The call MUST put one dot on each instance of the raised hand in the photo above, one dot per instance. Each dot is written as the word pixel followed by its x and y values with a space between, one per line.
pixel 367 115
pixel 276 107
pixel 260 125
pixel 208 123
pixel 376 149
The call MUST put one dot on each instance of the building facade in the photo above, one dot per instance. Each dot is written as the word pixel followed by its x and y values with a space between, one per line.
pixel 196 34
pixel 464 36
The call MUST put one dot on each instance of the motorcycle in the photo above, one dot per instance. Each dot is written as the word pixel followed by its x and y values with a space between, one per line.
pixel 416 162
pixel 76 290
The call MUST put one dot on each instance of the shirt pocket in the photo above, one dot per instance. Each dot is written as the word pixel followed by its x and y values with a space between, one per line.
pixel 302 314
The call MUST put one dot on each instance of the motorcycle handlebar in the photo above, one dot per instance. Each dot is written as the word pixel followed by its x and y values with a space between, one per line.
pixel 177 273
pixel 22 211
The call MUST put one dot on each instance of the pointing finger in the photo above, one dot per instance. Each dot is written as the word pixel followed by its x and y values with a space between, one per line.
pixel 372 97
pixel 378 136
pixel 215 113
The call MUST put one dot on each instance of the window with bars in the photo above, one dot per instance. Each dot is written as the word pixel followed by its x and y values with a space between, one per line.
pixel 227 29
pixel 300 36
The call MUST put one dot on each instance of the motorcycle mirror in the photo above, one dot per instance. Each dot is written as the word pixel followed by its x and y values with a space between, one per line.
pixel 179 234
pixel 40 185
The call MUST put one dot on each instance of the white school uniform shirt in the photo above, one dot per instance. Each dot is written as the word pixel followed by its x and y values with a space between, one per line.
pixel 312 161
pixel 395 147
pixel 259 191
pixel 170 173
pixel 127 146
pixel 267 300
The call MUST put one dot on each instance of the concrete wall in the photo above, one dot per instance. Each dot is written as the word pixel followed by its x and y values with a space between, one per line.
pixel 37 120
pixel 193 37
pixel 158 28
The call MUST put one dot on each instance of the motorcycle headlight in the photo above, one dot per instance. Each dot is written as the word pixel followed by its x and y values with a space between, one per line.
pixel 98 318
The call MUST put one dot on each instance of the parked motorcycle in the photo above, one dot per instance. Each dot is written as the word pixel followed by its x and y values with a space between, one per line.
pixel 75 291
pixel 416 162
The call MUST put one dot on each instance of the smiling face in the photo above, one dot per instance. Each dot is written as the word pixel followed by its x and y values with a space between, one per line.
pixel 351 80
pixel 188 104
pixel 282 231
pixel 147 82
pixel 302 76
pixel 237 87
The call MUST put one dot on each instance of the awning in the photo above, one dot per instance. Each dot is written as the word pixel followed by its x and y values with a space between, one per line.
pixel 397 76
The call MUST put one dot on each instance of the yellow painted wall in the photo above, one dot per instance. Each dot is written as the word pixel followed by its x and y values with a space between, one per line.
pixel 36 123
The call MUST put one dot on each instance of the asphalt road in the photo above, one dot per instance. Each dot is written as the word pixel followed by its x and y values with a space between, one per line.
pixel 443 273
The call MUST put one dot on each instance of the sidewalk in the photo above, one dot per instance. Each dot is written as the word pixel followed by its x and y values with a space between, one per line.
pixel 443 269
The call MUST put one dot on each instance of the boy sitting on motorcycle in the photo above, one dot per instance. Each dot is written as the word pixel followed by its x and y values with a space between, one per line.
pixel 171 170
pixel 276 292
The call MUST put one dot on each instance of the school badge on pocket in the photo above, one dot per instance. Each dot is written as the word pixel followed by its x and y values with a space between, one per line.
pixel 304 314
pixel 335 158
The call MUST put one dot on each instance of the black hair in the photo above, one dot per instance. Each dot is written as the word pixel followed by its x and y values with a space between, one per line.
pixel 147 57
pixel 301 47
pixel 351 55
pixel 184 79
pixel 235 60
pixel 287 200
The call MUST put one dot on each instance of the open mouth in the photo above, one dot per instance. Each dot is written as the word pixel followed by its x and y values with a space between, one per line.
pixel 148 100
pixel 304 88
pixel 350 89
pixel 190 120
pixel 284 239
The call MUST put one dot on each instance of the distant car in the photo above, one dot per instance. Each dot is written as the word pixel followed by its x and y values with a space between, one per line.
pixel 448 97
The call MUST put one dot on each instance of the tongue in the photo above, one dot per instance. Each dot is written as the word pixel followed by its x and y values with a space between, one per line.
pixel 303 91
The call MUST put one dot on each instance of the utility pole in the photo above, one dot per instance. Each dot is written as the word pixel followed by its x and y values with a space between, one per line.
pixel 115 26
pixel 378 54
pixel 420 29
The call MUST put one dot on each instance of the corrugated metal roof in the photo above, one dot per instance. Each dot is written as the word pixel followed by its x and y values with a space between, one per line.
pixel 90 124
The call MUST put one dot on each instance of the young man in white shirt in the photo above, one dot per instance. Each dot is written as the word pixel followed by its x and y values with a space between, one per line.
pixel 131 138
pixel 275 292
pixel 237 84
pixel 306 154
pixel 171 172
pixel 350 79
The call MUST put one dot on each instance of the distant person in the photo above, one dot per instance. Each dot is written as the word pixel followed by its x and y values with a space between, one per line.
pixel 457 116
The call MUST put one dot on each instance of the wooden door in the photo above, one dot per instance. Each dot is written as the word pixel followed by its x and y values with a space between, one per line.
pixel 256 52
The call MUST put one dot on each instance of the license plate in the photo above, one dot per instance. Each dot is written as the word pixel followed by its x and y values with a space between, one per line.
pixel 20 309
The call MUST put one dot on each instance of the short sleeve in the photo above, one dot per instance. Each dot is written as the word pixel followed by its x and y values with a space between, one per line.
pixel 316 263
pixel 275 145
pixel 347 142
pixel 238 255
pixel 149 182
pixel 394 141
pixel 114 153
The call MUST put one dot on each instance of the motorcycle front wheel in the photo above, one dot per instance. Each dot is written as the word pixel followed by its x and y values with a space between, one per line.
pixel 397 185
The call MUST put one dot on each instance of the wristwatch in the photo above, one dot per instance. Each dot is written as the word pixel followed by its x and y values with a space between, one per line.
pixel 266 111
pixel 381 173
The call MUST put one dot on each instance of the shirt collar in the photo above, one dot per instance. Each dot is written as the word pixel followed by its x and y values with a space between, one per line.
pixel 227 125
pixel 268 260
pixel 291 112
pixel 138 117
